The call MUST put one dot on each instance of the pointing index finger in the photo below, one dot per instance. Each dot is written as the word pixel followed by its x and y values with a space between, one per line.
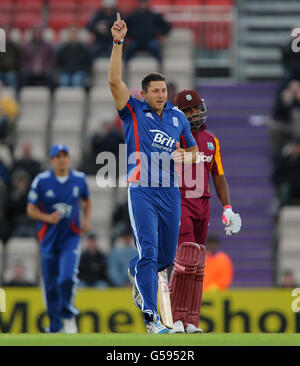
pixel 118 17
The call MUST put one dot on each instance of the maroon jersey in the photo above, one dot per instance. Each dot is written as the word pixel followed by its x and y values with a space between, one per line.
pixel 210 161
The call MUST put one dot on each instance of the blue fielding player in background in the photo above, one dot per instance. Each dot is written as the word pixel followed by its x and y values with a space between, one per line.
pixel 54 201
pixel 152 130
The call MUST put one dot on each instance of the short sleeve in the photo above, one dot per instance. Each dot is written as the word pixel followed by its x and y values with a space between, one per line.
pixel 34 193
pixel 130 108
pixel 217 163
pixel 85 194
pixel 187 139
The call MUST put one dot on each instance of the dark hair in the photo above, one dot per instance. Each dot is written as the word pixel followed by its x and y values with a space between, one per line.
pixel 288 272
pixel 153 76
pixel 92 236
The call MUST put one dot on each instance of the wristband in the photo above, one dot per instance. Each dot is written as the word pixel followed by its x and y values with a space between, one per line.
pixel 227 206
pixel 118 41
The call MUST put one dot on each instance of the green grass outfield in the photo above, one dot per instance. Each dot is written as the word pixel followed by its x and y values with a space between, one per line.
pixel 117 339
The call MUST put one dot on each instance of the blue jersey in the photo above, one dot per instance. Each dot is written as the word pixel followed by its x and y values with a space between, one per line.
pixel 151 139
pixel 50 195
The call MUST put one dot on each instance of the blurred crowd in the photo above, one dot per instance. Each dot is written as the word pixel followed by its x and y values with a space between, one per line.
pixel 69 63
pixel 16 175
pixel 285 132
pixel 285 142
pixel 97 268
pixel 15 181
pixel 37 61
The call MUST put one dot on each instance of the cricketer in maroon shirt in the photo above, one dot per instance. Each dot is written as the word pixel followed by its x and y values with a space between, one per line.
pixel 186 280
pixel 195 188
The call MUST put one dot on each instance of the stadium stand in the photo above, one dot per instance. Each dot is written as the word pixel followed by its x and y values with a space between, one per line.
pixel 68 119
pixel 87 9
pixel 288 253
pixel 264 27
pixel 27 13
pixel 103 200
pixel 8 91
pixel 57 16
pixel 245 150
pixel 25 250
pixel 63 34
pixel 100 68
pixel 101 108
pixel 58 19
pixel 179 67
pixel 179 38
pixel 15 35
pixel 138 67
pixel 33 121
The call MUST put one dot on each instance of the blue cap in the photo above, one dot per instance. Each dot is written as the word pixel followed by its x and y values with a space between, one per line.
pixel 57 148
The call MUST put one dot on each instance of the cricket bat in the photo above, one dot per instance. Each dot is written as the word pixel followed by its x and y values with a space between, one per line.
pixel 164 299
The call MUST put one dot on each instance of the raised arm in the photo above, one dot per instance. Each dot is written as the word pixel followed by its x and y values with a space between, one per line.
pixel 117 87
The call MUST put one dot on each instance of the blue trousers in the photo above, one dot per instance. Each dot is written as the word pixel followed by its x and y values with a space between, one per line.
pixel 9 78
pixel 59 271
pixel 155 219
pixel 72 79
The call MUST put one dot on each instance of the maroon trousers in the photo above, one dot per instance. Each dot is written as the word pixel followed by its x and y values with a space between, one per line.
pixel 186 283
pixel 194 220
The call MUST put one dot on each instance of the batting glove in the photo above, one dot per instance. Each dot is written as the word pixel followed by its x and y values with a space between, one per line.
pixel 232 221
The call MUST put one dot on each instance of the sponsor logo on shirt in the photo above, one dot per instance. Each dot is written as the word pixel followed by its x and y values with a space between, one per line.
pixel 64 209
pixel 204 158
pixel 163 141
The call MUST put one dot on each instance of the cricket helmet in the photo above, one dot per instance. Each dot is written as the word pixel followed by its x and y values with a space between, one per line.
pixel 190 98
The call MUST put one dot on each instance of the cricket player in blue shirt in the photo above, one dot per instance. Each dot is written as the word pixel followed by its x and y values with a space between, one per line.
pixel 152 130
pixel 54 201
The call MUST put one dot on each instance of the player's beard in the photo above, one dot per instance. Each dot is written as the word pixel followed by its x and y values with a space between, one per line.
pixel 155 106
pixel 196 129
pixel 159 107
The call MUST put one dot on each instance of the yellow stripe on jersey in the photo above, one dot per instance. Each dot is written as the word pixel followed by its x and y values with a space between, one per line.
pixel 217 157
